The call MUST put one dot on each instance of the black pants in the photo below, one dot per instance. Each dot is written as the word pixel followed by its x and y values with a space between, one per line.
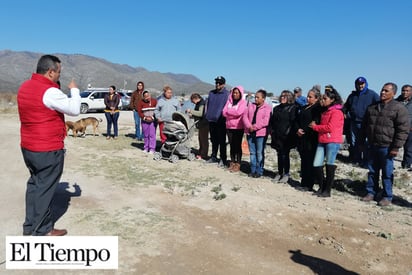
pixel 235 137
pixel 45 169
pixel 306 166
pixel 283 161
pixel 407 152
pixel 218 138
pixel 203 136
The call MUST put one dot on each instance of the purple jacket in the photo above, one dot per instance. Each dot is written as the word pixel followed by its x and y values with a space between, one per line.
pixel 234 113
pixel 262 119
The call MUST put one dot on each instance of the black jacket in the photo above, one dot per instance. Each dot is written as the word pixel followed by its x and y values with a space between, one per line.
pixel 282 126
pixel 386 125
pixel 307 114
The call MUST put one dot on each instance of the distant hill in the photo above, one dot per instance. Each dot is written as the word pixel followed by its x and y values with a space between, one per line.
pixel 15 67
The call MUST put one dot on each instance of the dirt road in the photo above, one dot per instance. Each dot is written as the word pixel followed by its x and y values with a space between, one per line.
pixel 169 222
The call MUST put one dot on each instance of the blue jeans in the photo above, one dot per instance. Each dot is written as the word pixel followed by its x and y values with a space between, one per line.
pixel 112 119
pixel 256 154
pixel 137 123
pixel 379 159
pixel 328 151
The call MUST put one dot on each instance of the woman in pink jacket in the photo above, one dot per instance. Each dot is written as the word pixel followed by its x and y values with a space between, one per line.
pixel 330 137
pixel 233 112
pixel 255 121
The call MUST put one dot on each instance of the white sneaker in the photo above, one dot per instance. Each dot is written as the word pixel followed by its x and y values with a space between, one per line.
pixel 277 178
pixel 284 179
pixel 221 164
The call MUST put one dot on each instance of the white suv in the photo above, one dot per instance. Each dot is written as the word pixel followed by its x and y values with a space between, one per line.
pixel 93 100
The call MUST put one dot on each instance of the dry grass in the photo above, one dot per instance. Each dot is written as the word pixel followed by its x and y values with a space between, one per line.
pixel 8 103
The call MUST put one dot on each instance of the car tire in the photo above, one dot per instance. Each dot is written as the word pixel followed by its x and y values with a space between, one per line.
pixel 84 108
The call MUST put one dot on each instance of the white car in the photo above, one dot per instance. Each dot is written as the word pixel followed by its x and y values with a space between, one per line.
pixel 93 100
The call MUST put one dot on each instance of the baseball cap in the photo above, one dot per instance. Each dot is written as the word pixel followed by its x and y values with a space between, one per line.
pixel 220 80
pixel 297 90
pixel 360 80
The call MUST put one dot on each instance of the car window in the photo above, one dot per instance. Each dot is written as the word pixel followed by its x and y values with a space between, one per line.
pixel 99 95
pixel 84 94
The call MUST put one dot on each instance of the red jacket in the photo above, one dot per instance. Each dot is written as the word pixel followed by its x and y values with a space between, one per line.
pixel 42 129
pixel 143 104
pixel 330 128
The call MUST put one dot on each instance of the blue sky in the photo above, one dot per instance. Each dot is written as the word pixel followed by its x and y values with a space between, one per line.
pixel 274 45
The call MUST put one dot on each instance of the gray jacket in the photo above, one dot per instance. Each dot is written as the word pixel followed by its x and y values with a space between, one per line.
pixel 408 105
pixel 166 107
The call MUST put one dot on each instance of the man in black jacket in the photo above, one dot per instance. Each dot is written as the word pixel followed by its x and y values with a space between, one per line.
pixel 406 99
pixel 386 126
pixel 355 107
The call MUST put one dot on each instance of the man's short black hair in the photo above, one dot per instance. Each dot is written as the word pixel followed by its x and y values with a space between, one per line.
pixel 47 62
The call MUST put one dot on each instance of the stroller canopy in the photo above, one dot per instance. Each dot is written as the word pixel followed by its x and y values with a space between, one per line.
pixel 183 118
pixel 179 124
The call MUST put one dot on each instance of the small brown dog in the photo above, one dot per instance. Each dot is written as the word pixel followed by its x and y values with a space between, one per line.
pixel 75 127
pixel 81 125
pixel 94 122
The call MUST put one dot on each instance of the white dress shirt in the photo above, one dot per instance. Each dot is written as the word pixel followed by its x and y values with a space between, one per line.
pixel 55 99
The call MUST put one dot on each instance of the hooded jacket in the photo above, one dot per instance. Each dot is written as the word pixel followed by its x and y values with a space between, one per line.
pixel 330 129
pixel 234 112
pixel 359 101
pixel 151 103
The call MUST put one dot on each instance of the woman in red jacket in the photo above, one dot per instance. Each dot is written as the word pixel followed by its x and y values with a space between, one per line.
pixel 330 137
pixel 145 109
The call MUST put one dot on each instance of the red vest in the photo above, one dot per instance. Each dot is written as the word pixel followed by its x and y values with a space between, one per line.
pixel 42 129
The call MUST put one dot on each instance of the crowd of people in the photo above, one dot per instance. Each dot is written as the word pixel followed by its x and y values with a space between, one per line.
pixel 376 126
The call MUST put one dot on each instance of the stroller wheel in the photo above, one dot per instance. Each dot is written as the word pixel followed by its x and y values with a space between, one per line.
pixel 191 157
pixel 174 158
pixel 157 156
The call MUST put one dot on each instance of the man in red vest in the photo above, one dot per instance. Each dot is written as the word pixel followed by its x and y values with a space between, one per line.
pixel 42 106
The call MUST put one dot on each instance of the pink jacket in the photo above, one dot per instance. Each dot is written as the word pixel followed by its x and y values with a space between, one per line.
pixel 234 113
pixel 330 128
pixel 262 119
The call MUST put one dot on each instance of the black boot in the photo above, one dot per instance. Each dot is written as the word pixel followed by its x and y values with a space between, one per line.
pixel 318 177
pixel 330 178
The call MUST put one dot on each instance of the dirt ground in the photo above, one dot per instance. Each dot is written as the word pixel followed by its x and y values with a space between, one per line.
pixel 195 218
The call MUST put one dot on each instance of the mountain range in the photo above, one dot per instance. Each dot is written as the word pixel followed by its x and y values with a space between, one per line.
pixel 16 67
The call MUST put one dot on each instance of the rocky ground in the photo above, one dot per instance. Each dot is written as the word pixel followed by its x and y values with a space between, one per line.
pixel 190 217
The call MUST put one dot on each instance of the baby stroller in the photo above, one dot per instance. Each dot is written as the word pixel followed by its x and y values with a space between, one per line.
pixel 178 132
